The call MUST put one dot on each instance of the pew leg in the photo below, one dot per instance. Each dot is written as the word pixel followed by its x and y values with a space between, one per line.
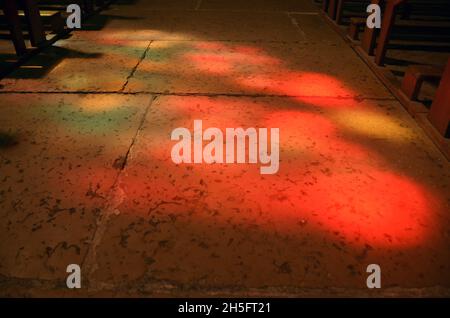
pixel 325 5
pixel 369 38
pixel 386 28
pixel 339 11
pixel 57 23
pixel 411 85
pixel 439 114
pixel 368 41
pixel 353 32
pixel 13 21
pixel 34 22
pixel 332 9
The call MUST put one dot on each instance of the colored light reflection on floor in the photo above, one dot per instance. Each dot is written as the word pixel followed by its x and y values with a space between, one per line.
pixel 298 84
pixel 325 180
pixel 256 69
pixel 332 184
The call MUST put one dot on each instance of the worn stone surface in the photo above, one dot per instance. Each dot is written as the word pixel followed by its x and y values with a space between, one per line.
pixel 341 200
pixel 77 66
pixel 254 69
pixel 314 28
pixel 192 25
pixel 87 177
pixel 55 180
pixel 257 5
pixel 158 4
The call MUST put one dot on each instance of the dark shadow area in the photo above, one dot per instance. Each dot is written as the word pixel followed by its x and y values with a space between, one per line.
pixel 52 17
pixel 7 60
pixel 399 62
pixel 125 2
pixel 42 64
pixel 98 22
pixel 439 47
pixel 8 139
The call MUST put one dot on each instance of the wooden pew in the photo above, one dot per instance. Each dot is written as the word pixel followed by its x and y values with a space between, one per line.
pixel 386 29
pixel 359 13
pixel 11 12
pixel 51 20
pixel 389 22
pixel 355 25
pixel 416 75
pixel 357 19
pixel 369 37
pixel 335 8
pixel 325 5
pixel 87 6
pixel 390 19
pixel 33 23
pixel 439 114
pixel 331 10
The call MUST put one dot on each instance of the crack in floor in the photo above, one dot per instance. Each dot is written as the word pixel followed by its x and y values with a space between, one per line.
pixel 115 197
pixel 142 58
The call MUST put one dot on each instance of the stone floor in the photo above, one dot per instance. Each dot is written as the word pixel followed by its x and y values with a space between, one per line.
pixel 86 175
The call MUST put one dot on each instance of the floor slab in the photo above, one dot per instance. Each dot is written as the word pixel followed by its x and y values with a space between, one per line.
pixel 145 25
pixel 315 29
pixel 76 66
pixel 346 195
pixel 56 176
pixel 159 4
pixel 257 5
pixel 255 69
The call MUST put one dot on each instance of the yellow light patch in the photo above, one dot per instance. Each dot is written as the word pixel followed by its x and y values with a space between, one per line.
pixel 372 124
